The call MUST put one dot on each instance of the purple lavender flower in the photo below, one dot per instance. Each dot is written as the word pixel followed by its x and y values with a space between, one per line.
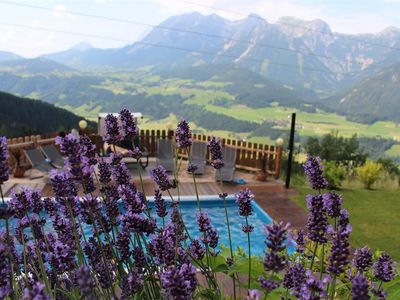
pixel 104 172
pixel 362 260
pixel 69 145
pixel 197 250
pixel 111 197
pixel 88 149
pixel 87 180
pixel 136 153
pixel 268 284
pixel 85 282
pixel 62 257
pixel 204 222
pixel 138 223
pixel 314 171
pixel 134 201
pixel 113 135
pixel 21 202
pixel 131 284
pixel 243 200
pixel 212 238
pixel 317 220
pixel 192 168
pixel 299 238
pixel 5 271
pixel 162 245
pixel 343 218
pixel 274 262
pixel 161 178
pixel 122 244
pixel 332 203
pixel 121 174
pixel 276 234
pixel 254 295
pixel 384 268
pixel 4 169
pixel 247 228
pixel 216 153
pixel 183 135
pixel 340 251
pixel 178 283
pixel 63 184
pixel 36 292
pixel 313 289
pixel 294 278
pixel 128 123
pixel 159 203
pixel 360 288
pixel 139 257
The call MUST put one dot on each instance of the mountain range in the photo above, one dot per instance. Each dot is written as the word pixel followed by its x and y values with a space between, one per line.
pixel 291 60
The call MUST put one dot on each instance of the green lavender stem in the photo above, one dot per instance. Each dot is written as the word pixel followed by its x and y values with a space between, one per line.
pixel 248 242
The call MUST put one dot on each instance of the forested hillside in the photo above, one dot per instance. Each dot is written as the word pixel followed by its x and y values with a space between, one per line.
pixel 23 116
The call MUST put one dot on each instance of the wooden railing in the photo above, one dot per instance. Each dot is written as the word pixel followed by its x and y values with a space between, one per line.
pixel 252 157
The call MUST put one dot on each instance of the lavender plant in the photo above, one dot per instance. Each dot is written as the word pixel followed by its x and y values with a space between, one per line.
pixel 107 243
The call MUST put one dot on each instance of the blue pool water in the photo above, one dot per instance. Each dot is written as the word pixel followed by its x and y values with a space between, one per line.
pixel 215 210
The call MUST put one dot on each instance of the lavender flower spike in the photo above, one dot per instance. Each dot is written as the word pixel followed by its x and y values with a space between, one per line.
pixel 183 135
pixel 360 288
pixel 317 219
pixel 243 200
pixel 313 169
pixel 179 282
pixel 159 203
pixel 340 251
pixel 36 292
pixel 384 269
pixel 216 153
pixel 161 178
pixel 362 259
pixel 4 170
pixel 113 134
pixel 128 123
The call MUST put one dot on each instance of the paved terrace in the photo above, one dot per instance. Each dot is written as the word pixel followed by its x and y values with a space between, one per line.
pixel 270 195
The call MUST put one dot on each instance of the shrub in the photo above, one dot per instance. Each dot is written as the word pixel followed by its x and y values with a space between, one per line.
pixel 369 173
pixel 334 173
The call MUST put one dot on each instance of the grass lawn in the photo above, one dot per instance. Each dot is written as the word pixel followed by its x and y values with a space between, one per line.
pixel 374 215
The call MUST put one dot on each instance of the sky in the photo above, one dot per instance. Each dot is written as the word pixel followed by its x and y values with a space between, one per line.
pixel 31 32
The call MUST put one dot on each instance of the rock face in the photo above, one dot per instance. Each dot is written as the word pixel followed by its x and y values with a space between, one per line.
pixel 293 51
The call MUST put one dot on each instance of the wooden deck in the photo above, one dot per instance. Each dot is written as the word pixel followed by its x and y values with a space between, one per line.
pixel 270 195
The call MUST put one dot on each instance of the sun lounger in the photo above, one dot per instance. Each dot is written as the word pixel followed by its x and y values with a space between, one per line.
pixel 38 161
pixel 53 155
pixel 165 155
pixel 198 153
pixel 227 172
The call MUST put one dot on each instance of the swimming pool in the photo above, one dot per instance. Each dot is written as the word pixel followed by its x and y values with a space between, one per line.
pixel 216 211
pixel 214 206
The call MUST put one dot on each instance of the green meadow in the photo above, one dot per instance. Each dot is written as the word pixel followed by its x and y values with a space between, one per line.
pixel 208 95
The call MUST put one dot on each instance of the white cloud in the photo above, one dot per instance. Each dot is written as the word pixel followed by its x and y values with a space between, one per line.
pixel 59 11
